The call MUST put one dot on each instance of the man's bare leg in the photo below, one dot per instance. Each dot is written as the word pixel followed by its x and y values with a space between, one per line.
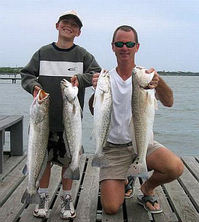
pixel 167 167
pixel 112 195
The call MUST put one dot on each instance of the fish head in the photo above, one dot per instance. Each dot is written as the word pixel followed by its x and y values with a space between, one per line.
pixel 40 106
pixel 103 83
pixel 142 78
pixel 68 90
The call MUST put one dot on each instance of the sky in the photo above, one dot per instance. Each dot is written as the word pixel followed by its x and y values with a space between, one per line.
pixel 168 30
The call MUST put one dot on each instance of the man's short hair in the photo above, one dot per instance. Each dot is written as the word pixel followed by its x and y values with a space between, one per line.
pixel 125 28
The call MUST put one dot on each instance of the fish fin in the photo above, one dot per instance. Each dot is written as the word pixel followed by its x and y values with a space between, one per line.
pixel 99 161
pixel 138 169
pixel 25 170
pixel 68 173
pixel 94 101
pixel 81 111
pixel 72 174
pixel 76 174
pixel 30 199
pixel 81 150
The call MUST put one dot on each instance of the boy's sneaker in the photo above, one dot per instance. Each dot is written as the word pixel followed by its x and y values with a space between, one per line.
pixel 67 208
pixel 41 209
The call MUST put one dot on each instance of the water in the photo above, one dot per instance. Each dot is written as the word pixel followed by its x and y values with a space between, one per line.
pixel 176 127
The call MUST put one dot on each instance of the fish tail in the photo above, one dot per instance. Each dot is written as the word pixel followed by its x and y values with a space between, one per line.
pixel 72 174
pixel 30 199
pixel 99 161
pixel 138 168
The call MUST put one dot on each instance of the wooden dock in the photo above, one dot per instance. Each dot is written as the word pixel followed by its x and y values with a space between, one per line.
pixel 13 79
pixel 179 199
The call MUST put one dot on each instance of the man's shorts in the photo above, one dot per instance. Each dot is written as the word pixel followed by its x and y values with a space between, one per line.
pixel 120 158
pixel 57 151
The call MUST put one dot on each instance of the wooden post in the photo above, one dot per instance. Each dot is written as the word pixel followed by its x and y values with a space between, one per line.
pixel 16 139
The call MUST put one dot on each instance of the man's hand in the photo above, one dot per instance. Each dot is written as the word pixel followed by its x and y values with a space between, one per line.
pixel 95 79
pixel 74 81
pixel 154 82
pixel 36 90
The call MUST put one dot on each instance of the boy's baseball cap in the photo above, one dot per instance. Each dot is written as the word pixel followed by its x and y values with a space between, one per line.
pixel 73 14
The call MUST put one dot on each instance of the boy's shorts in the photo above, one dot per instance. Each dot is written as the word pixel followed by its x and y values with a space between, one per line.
pixel 57 153
pixel 120 158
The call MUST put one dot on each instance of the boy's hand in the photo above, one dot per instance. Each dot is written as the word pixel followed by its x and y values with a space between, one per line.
pixel 95 79
pixel 74 81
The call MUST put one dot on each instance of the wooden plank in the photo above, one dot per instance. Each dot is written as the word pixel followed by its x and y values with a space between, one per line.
pixel 13 207
pixel 192 164
pixel 9 184
pixel 190 185
pixel 113 218
pixel 10 164
pixel 181 203
pixel 55 212
pixel 87 203
pixel 134 210
pixel 167 215
pixel 54 184
pixel 179 199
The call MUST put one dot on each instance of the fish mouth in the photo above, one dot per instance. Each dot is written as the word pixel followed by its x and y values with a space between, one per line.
pixel 42 96
pixel 64 82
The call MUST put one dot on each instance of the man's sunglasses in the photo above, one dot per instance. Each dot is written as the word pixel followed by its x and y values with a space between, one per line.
pixel 128 44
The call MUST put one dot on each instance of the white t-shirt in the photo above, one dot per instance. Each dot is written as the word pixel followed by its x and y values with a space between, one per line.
pixel 120 128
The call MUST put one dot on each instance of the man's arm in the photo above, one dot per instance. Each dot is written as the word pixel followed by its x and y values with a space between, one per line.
pixel 164 93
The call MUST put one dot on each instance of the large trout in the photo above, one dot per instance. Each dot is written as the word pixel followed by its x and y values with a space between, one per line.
pixel 102 116
pixel 72 127
pixel 37 145
pixel 143 111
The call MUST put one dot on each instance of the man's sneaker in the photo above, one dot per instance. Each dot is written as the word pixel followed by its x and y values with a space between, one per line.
pixel 67 208
pixel 41 209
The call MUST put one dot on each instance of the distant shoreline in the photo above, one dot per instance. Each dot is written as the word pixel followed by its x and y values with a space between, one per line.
pixel 16 70
pixel 163 73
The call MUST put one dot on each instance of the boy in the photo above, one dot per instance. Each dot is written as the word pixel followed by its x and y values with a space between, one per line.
pixel 48 66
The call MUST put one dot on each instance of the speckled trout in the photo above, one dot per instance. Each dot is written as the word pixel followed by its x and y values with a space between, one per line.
pixel 72 127
pixel 143 111
pixel 37 145
pixel 102 116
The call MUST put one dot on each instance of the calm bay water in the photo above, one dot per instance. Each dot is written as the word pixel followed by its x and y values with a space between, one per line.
pixel 176 127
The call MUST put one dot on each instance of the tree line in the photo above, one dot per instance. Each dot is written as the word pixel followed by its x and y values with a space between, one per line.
pixel 16 70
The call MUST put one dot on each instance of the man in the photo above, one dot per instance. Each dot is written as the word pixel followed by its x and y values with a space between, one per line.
pixel 48 66
pixel 119 151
